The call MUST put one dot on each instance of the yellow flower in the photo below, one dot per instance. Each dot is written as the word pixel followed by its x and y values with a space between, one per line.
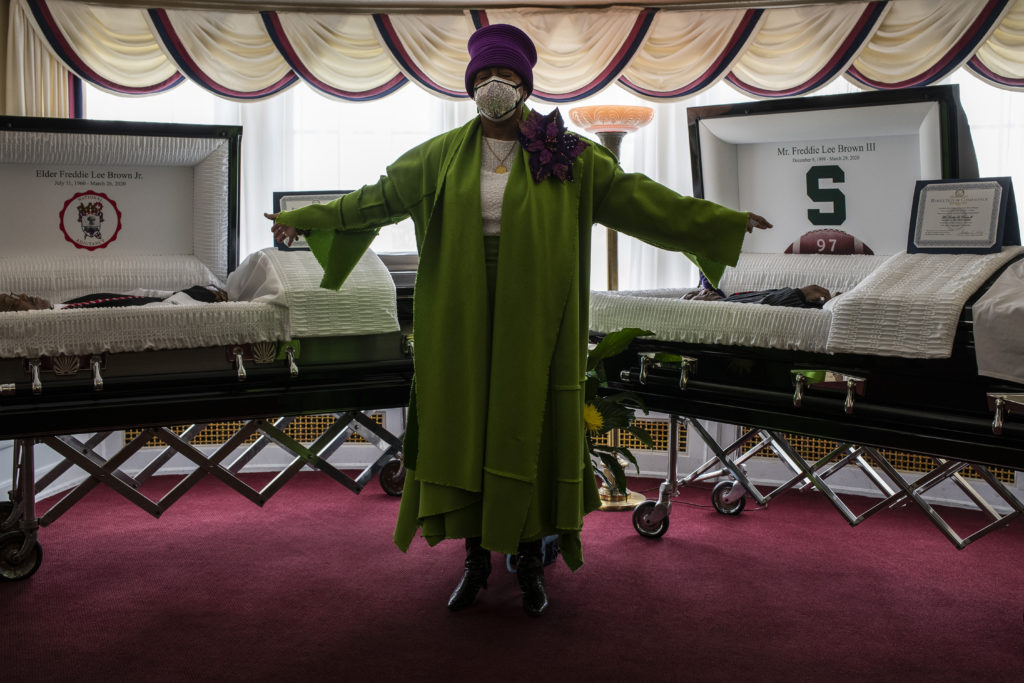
pixel 592 418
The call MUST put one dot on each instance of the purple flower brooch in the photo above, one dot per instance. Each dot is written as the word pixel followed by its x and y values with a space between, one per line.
pixel 552 148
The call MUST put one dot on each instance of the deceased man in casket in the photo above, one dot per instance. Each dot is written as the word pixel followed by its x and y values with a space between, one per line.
pixel 139 297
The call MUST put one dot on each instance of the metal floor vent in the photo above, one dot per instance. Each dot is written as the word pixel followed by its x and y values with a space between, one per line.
pixel 658 429
pixel 304 429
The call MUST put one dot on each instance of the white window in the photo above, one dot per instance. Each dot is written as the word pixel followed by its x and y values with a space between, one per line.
pixel 301 140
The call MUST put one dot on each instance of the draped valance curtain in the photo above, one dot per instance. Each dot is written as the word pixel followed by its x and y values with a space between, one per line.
pixel 659 54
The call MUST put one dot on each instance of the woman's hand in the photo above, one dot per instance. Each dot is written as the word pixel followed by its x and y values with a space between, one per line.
pixel 285 234
pixel 755 221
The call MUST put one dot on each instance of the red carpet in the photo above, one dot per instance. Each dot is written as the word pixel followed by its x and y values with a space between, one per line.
pixel 310 588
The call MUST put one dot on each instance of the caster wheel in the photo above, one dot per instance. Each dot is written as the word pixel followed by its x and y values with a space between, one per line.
pixel 643 524
pixel 718 495
pixel 12 567
pixel 392 477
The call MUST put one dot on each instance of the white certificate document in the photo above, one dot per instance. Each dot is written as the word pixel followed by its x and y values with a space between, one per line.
pixel 958 215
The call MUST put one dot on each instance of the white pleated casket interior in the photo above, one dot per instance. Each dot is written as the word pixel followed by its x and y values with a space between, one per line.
pixel 60 278
pixel 208 159
pixel 30 334
pixel 910 308
pixel 672 318
pixel 904 305
pixel 274 297
pixel 365 304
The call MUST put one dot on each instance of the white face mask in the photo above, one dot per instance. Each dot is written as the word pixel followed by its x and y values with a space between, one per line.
pixel 496 98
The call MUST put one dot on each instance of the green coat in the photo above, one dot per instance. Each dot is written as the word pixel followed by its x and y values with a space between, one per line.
pixel 495 443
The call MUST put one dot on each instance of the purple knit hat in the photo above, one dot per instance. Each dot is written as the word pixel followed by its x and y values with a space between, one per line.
pixel 501 45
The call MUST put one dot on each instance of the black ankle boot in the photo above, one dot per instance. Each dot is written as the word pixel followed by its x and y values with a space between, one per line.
pixel 478 568
pixel 530 574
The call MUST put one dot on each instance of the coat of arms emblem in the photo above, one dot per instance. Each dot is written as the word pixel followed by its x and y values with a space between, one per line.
pixel 90 220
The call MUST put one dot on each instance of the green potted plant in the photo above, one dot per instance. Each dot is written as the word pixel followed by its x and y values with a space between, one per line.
pixel 604 413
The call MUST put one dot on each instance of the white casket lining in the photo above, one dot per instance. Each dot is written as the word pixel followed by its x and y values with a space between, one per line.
pixel 364 305
pixel 911 307
pixel 908 307
pixel 283 300
pixel 208 158
pixel 673 319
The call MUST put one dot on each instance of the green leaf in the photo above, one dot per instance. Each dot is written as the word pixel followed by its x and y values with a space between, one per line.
pixel 628 397
pixel 613 344
pixel 615 415
pixel 618 474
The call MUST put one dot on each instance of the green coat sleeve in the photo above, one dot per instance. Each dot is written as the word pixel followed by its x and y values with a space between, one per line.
pixel 342 230
pixel 709 234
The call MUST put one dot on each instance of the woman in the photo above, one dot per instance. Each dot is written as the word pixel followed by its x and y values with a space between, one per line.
pixel 495 449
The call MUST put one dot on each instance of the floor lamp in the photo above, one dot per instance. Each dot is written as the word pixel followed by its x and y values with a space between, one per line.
pixel 611 122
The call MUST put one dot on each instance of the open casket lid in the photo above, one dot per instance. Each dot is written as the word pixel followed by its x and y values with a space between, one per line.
pixel 836 177
pixel 815 165
pixel 83 194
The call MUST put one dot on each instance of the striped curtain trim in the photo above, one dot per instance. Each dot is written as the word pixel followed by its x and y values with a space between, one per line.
pixel 59 45
pixel 714 73
pixel 611 72
pixel 986 74
pixel 76 103
pixel 408 66
pixel 960 53
pixel 277 34
pixel 630 45
pixel 840 61
pixel 55 26
pixel 187 65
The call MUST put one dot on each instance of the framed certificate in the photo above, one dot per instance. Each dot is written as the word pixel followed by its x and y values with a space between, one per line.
pixel 966 216
pixel 287 201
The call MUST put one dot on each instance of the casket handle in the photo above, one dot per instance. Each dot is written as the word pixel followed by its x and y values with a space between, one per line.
pixel 687 368
pixel 409 346
pixel 293 369
pixel 239 364
pixel 96 362
pixel 827 379
pixel 646 362
pixel 798 393
pixel 1003 404
pixel 997 421
pixel 854 385
pixel 37 384
pixel 653 359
